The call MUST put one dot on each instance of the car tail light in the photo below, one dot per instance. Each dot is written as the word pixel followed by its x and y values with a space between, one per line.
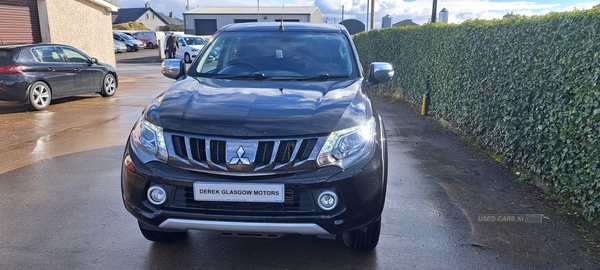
pixel 12 69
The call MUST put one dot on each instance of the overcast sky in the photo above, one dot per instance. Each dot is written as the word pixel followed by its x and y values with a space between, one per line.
pixel 417 10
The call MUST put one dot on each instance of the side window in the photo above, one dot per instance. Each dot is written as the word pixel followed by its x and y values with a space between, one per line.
pixel 181 42
pixel 47 55
pixel 75 56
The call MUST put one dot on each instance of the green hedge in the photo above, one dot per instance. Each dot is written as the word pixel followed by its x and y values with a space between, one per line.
pixel 525 88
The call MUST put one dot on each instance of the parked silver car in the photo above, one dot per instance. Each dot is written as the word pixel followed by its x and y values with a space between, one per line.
pixel 131 43
pixel 120 46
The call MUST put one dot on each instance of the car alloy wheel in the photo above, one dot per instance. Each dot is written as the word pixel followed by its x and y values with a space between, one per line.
pixel 39 96
pixel 109 85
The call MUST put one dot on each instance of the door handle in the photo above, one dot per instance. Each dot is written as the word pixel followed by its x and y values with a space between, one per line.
pixel 51 69
pixel 75 69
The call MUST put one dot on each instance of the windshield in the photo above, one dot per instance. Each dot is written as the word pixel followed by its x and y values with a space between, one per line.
pixel 194 40
pixel 127 37
pixel 283 55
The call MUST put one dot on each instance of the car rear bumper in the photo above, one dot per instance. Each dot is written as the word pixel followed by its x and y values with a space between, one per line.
pixel 13 88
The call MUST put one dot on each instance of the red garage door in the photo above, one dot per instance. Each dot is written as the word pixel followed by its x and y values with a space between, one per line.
pixel 19 22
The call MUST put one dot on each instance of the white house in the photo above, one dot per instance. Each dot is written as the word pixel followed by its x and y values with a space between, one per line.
pixel 207 20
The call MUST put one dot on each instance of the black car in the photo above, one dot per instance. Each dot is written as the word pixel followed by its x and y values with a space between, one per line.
pixel 270 131
pixel 37 73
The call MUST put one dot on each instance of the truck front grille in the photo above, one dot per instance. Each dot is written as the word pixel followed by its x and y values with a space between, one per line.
pixel 240 157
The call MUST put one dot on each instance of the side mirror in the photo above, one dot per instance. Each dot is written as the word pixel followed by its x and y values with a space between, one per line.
pixel 94 60
pixel 380 72
pixel 173 68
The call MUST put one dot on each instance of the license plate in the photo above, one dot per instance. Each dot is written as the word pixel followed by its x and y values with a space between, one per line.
pixel 238 192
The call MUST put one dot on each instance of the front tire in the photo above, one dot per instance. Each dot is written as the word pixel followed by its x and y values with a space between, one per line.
pixel 109 85
pixel 150 45
pixel 365 238
pixel 39 96
pixel 161 236
pixel 187 58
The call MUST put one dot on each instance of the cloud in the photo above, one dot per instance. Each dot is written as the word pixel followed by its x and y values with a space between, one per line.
pixel 420 10
pixel 417 10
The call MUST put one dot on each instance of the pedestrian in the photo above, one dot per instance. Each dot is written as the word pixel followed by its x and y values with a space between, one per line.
pixel 172 46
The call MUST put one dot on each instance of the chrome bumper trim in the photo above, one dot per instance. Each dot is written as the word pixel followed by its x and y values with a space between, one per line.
pixel 245 227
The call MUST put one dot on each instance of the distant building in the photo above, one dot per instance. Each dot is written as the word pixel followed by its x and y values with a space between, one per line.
pixel 444 15
pixel 406 22
pixel 596 6
pixel 354 26
pixel 147 16
pixel 386 21
pixel 83 24
pixel 509 16
pixel 206 20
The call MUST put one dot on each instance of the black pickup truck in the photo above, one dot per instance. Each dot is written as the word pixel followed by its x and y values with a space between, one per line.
pixel 270 131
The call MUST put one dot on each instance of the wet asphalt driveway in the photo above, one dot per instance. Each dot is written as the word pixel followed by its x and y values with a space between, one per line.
pixel 448 206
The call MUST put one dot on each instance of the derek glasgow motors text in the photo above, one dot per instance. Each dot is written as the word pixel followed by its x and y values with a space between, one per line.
pixel 508 218
pixel 239 192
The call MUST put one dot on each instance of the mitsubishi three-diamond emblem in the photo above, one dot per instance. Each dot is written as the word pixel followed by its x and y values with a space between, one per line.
pixel 240 158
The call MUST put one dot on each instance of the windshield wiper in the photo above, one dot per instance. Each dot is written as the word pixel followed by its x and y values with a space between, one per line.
pixel 323 77
pixel 255 75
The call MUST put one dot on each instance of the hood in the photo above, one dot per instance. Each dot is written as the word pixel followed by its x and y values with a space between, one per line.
pixel 248 108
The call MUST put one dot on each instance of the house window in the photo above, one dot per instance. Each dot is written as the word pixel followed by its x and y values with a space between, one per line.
pixel 153 16
pixel 147 16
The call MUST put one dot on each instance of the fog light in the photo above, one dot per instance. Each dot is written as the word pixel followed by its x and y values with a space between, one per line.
pixel 157 195
pixel 328 200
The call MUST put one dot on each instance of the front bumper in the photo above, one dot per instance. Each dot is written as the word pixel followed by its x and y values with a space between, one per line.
pixel 360 190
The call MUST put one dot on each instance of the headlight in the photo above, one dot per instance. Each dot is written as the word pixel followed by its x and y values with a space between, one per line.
pixel 344 147
pixel 149 142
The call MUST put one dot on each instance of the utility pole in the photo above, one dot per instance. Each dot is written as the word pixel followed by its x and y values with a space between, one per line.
pixel 372 12
pixel 367 22
pixel 434 11
pixel 258 12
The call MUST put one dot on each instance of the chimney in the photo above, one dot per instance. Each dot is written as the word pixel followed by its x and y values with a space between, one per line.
pixel 147 5
pixel 171 14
